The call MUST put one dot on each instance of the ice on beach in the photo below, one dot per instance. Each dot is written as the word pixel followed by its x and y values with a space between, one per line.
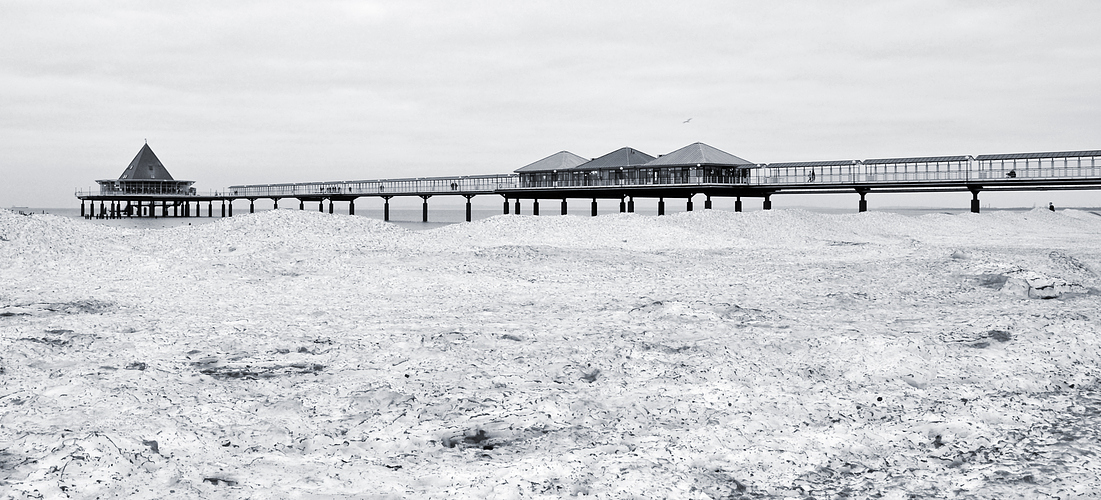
pixel 705 354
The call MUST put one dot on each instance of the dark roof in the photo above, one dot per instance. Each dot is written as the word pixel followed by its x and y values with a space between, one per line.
pixel 622 157
pixel 698 154
pixel 832 163
pixel 920 159
pixel 561 160
pixel 145 166
pixel 1025 156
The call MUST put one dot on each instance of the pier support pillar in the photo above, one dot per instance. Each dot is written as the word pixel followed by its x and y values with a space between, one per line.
pixel 594 207
pixel 661 206
pixel 275 203
pixel 386 209
pixel 164 209
pixel 301 205
pixel 564 208
pixel 707 203
pixel 517 206
pixel 767 205
pixel 631 205
pixel 468 207
pixel 330 205
pixel 231 208
pixel 321 206
pixel 351 207
pixel 974 199
pixel 223 209
pixel 535 207
pixel 424 207
pixel 209 208
pixel 252 205
pixel 623 205
pixel 863 202
pixel 506 206
pixel 689 206
pixel 82 208
pixel 738 204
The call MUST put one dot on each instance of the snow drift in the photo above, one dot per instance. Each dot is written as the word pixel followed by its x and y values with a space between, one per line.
pixel 700 355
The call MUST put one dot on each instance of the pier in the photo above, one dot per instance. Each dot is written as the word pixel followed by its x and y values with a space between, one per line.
pixel 625 175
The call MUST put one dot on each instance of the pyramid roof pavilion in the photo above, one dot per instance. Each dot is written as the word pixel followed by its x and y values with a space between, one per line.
pixel 622 157
pixel 144 166
pixel 561 160
pixel 699 154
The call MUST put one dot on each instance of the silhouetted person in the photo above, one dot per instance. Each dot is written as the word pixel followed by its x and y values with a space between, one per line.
pixel 1051 206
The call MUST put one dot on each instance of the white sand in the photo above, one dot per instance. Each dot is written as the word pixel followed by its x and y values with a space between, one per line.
pixel 701 355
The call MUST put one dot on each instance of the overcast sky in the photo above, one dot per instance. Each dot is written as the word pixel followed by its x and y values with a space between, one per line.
pixel 276 91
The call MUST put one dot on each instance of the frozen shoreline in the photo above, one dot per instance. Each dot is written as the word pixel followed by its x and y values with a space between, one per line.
pixel 696 355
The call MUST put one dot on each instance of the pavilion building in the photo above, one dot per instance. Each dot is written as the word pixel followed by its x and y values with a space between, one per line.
pixel 146 189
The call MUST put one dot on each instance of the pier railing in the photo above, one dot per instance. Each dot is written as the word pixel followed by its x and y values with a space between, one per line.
pixel 467 184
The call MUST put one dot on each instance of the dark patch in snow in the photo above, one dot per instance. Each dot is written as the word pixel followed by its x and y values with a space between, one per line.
pixel 152 444
pixel 846 243
pixel 261 372
pixel 47 341
pixel 476 439
pixel 995 281
pixel 590 376
pixel 511 337
pixel 722 484
pixel 219 481
pixel 137 365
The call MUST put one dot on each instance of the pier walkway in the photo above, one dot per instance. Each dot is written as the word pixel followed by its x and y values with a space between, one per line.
pixel 974 174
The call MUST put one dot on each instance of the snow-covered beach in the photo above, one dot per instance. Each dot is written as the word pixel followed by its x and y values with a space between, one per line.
pixel 778 354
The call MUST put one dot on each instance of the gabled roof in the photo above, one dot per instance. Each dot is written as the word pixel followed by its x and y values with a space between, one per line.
pixel 561 160
pixel 1028 156
pixel 622 157
pixel 920 159
pixel 827 163
pixel 145 165
pixel 698 154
